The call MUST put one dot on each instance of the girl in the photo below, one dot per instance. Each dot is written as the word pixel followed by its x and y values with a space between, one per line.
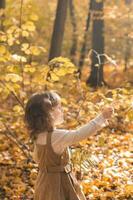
pixel 56 180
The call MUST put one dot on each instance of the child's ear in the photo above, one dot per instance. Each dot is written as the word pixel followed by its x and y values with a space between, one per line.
pixel 52 109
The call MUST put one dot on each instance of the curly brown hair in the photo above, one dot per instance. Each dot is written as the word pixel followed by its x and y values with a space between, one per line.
pixel 38 109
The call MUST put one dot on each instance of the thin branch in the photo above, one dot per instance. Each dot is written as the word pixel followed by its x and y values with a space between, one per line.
pixel 21 11
pixel 74 34
pixel 13 138
pixel 13 93
pixel 83 48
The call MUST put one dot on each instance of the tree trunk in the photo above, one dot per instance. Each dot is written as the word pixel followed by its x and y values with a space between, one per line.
pixel 128 1
pixel 128 42
pixel 2 6
pixel 74 36
pixel 96 76
pixel 58 30
pixel 83 49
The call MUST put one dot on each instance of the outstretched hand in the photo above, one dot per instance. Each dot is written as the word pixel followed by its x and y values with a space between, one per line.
pixel 107 112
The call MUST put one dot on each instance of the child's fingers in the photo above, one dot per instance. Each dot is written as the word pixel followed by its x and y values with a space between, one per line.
pixel 115 104
pixel 110 110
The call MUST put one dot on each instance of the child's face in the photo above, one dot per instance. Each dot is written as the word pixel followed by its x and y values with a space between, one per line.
pixel 57 114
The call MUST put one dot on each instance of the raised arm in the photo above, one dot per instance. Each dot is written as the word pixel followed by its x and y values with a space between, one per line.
pixel 74 136
pixel 63 138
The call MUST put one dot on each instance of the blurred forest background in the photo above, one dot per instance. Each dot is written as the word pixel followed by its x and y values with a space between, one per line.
pixel 83 50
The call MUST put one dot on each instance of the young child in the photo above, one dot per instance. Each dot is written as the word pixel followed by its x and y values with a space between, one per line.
pixel 56 180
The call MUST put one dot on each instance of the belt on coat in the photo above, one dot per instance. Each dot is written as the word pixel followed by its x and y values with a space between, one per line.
pixel 55 169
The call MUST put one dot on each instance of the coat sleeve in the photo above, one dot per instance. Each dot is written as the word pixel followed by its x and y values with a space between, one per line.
pixel 70 137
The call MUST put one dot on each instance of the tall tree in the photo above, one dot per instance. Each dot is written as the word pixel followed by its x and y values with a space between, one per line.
pixel 96 75
pixel 83 49
pixel 128 41
pixel 2 6
pixel 128 2
pixel 73 49
pixel 58 30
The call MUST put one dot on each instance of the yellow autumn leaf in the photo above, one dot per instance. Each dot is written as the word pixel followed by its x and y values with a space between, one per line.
pixel 19 58
pixel 33 174
pixel 29 68
pixel 25 33
pixel 24 46
pixel 101 141
pixel 34 17
pixel 2 49
pixel 17 108
pixel 129 188
pixel 27 51
pixel 10 41
pixel 64 101
pixel 60 71
pixel 34 50
pixel 72 123
pixel 71 69
pixel 3 38
pixel 13 77
pixel 17 42
pixel 83 142
pixel 54 77
pixel 14 69
pixel 29 25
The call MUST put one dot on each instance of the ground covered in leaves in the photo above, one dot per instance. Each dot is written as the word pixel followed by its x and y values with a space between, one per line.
pixel 102 163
